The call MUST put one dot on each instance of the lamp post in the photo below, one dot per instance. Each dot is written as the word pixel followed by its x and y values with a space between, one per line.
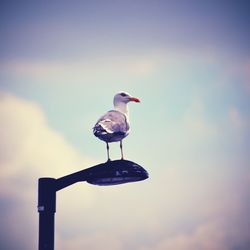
pixel 105 174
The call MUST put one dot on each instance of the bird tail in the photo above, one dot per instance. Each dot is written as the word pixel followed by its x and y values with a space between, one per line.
pixel 99 130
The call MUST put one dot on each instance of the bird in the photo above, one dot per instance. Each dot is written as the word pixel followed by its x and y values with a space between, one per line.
pixel 114 125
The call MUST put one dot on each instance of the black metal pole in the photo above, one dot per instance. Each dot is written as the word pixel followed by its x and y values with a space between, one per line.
pixel 46 209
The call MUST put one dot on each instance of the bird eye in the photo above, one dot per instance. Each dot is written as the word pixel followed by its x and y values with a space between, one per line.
pixel 123 94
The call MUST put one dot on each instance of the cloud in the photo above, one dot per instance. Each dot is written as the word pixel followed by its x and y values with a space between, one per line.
pixel 136 66
pixel 160 60
pixel 98 240
pixel 29 149
pixel 210 211
pixel 212 235
pixel 196 122
pixel 28 142
pixel 238 121
pixel 192 132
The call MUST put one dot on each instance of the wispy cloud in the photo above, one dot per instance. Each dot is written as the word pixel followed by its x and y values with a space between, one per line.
pixel 137 64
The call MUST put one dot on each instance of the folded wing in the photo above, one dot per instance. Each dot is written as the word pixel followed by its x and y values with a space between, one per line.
pixel 113 126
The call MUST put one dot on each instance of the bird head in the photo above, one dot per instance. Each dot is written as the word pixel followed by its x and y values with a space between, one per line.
pixel 123 97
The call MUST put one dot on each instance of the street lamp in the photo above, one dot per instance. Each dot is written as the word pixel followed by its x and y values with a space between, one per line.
pixel 105 174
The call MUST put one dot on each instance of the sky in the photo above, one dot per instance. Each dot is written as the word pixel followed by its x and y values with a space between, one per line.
pixel 61 63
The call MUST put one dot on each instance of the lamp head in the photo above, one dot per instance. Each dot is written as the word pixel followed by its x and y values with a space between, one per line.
pixel 116 172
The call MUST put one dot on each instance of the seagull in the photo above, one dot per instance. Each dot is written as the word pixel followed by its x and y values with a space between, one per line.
pixel 114 125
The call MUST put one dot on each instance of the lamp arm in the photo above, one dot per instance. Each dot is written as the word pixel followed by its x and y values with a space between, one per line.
pixel 71 179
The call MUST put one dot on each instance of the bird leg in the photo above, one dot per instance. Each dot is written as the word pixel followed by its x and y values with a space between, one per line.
pixel 122 158
pixel 108 150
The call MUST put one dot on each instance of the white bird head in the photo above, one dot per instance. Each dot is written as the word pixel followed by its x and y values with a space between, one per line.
pixel 121 100
pixel 123 97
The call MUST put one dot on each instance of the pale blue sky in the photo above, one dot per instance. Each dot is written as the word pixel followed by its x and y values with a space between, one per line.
pixel 61 62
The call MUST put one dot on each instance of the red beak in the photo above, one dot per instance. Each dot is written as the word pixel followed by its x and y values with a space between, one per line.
pixel 134 99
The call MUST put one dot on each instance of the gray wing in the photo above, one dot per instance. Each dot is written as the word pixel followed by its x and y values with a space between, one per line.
pixel 112 122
